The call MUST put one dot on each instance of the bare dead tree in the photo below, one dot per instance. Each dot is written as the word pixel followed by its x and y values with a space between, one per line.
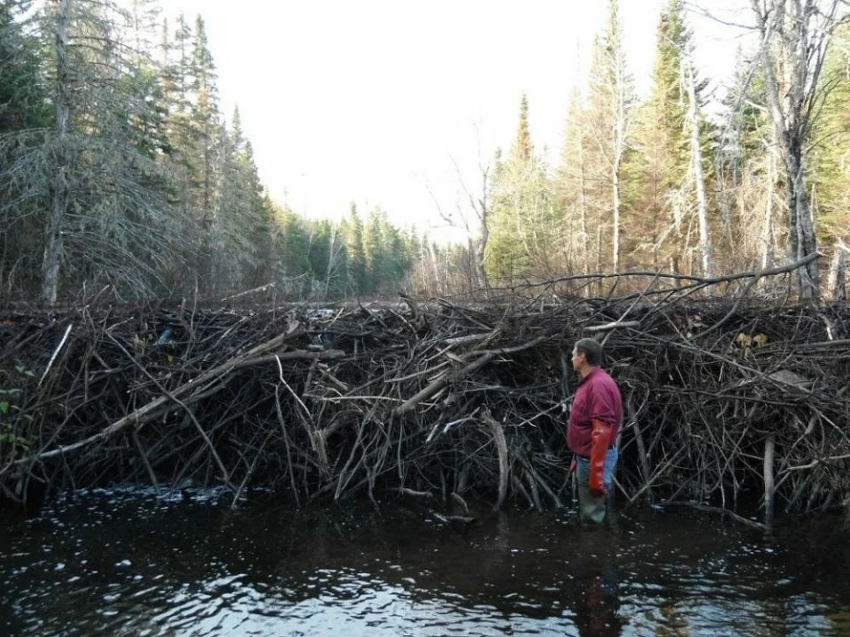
pixel 473 218
pixel 838 272
pixel 479 203
pixel 696 164
pixel 613 95
pixel 795 36
pixel 60 188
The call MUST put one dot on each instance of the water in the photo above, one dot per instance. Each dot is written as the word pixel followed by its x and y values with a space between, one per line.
pixel 126 564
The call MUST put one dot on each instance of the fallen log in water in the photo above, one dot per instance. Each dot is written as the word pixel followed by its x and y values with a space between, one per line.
pixel 726 396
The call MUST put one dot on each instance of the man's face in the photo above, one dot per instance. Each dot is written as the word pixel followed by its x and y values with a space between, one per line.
pixel 579 359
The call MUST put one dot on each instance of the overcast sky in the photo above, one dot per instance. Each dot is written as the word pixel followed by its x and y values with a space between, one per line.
pixel 372 101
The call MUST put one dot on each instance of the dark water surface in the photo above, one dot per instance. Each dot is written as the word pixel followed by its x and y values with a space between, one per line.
pixel 125 563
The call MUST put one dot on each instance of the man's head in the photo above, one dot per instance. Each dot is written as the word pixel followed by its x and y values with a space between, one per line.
pixel 587 354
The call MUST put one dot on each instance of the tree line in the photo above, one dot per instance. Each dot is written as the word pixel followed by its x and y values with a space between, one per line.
pixel 658 184
pixel 119 172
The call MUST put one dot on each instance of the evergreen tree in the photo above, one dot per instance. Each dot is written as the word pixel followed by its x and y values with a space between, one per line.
pixel 291 247
pixel 22 90
pixel 352 231
pixel 374 250
pixel 204 126
pixel 830 148
pixel 664 193
pixel 570 189
pixel 240 231
pixel 749 184
pixel 523 230
pixel 319 251
pixel 24 112
pixel 92 173
pixel 115 166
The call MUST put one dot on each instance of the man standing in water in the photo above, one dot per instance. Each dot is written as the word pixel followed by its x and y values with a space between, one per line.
pixel 595 420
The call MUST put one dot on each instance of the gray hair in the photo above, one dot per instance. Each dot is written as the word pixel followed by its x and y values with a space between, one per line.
pixel 592 350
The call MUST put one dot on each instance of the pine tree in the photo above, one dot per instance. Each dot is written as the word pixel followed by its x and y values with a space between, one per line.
pixel 570 190
pixel 664 189
pixel 291 247
pixel 320 250
pixel 22 89
pixel 204 126
pixel 523 216
pixel 240 231
pixel 374 251
pixel 830 147
pixel 115 166
pixel 352 231
pixel 24 112
pixel 92 170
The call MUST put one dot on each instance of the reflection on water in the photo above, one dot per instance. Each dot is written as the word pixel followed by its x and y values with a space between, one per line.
pixel 119 563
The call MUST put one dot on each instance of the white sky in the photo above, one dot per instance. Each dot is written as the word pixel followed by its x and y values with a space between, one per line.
pixel 371 100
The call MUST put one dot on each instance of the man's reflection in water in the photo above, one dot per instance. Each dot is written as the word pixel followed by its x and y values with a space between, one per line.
pixel 597 580
pixel 597 606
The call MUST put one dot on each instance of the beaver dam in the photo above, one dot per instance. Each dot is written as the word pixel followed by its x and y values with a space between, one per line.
pixel 727 398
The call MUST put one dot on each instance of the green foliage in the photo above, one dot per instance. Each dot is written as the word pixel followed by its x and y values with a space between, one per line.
pixel 23 108
pixel 152 192
pixel 660 187
pixel 522 217
pixel 352 232
pixel 22 89
pixel 598 134
pixel 830 150
pixel 12 422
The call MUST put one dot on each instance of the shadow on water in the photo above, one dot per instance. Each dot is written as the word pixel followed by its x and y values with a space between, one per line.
pixel 123 563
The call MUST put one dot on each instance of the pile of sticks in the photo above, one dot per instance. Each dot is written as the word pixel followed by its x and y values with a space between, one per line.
pixel 726 396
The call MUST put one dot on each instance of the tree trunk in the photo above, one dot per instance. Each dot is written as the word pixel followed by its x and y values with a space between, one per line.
pixel 769 483
pixel 435 264
pixel 615 187
pixel 804 228
pixel 61 192
pixel 696 163
pixel 767 226
pixel 838 272
pixel 331 259
pixel 795 37
pixel 479 255
pixel 483 212
pixel 583 234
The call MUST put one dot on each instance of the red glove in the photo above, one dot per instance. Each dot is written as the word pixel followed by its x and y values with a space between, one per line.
pixel 600 436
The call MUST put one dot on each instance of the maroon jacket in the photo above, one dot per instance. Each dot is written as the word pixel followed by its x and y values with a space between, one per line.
pixel 597 396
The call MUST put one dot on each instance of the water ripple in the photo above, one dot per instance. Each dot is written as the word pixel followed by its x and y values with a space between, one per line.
pixel 127 563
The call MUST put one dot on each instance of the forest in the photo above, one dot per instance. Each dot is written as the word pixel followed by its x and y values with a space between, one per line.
pixel 121 177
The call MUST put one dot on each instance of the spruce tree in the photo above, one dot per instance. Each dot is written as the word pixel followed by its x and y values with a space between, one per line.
pixel 24 113
pixel 830 144
pixel 352 231
pixel 22 89
pixel 523 229
pixel 661 169
pixel 93 171
pixel 570 190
